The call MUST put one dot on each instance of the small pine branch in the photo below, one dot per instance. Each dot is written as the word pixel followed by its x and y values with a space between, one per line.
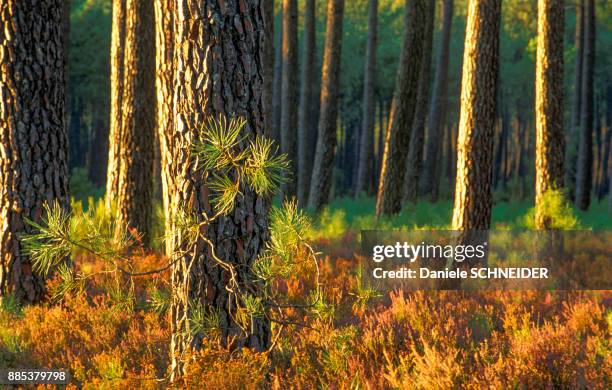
pixel 159 301
pixel 204 320
pixel 50 244
pixel 218 143
pixel 225 192
pixel 264 168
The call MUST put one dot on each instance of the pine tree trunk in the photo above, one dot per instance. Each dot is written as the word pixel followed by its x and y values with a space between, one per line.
pixel 571 154
pixel 584 173
pixel 135 191
pixel 307 132
pixel 437 113
pixel 289 94
pixel 164 83
pixel 320 184
pixel 549 105
pixel 277 84
pixel 414 160
pixel 116 98
pixel 450 137
pixel 268 61
pixel 66 35
pixel 389 197
pixel 610 189
pixel 473 199
pixel 500 147
pixel 218 72
pixel 603 166
pixel 366 144
pixel 76 126
pixel 382 130
pixel 33 142
pixel 98 150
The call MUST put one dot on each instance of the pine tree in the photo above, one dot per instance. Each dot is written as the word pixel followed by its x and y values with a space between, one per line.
pixel 571 154
pixel 277 84
pixel 33 167
pixel 366 143
pixel 289 92
pixel 549 105
pixel 164 83
pixel 116 98
pixel 584 171
pixel 136 149
pixel 320 183
pixel 268 88
pixel 223 88
pixel 414 161
pixel 307 131
pixel 437 113
pixel 473 198
pixel 392 172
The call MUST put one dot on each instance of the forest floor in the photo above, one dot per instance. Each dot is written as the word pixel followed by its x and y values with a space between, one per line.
pixel 432 340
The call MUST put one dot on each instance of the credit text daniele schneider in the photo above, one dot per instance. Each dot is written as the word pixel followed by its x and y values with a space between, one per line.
pixel 410 253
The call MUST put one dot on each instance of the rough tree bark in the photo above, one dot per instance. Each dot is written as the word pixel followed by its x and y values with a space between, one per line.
pixel 137 141
pixel 414 161
pixel 473 198
pixel 307 131
pixel 289 94
pixel 584 171
pixel 164 83
pixel 437 113
pixel 33 142
pixel 366 143
pixel 549 105
pixel 218 72
pixel 392 172
pixel 116 99
pixel 320 183
pixel 574 128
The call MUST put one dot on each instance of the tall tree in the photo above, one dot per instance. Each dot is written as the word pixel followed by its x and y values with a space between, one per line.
pixel 473 198
pixel 164 83
pixel 33 167
pixel 320 183
pixel 116 99
pixel 366 143
pixel 439 102
pixel 415 152
pixel 222 42
pixel 584 172
pixel 268 87
pixel 66 34
pixel 571 154
pixel 549 105
pixel 98 153
pixel 392 172
pixel 307 131
pixel 277 84
pixel 136 150
pixel 289 93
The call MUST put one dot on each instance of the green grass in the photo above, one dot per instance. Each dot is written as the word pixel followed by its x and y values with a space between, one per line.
pixel 357 214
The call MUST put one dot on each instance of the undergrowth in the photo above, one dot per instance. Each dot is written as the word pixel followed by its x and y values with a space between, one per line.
pixel 364 339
